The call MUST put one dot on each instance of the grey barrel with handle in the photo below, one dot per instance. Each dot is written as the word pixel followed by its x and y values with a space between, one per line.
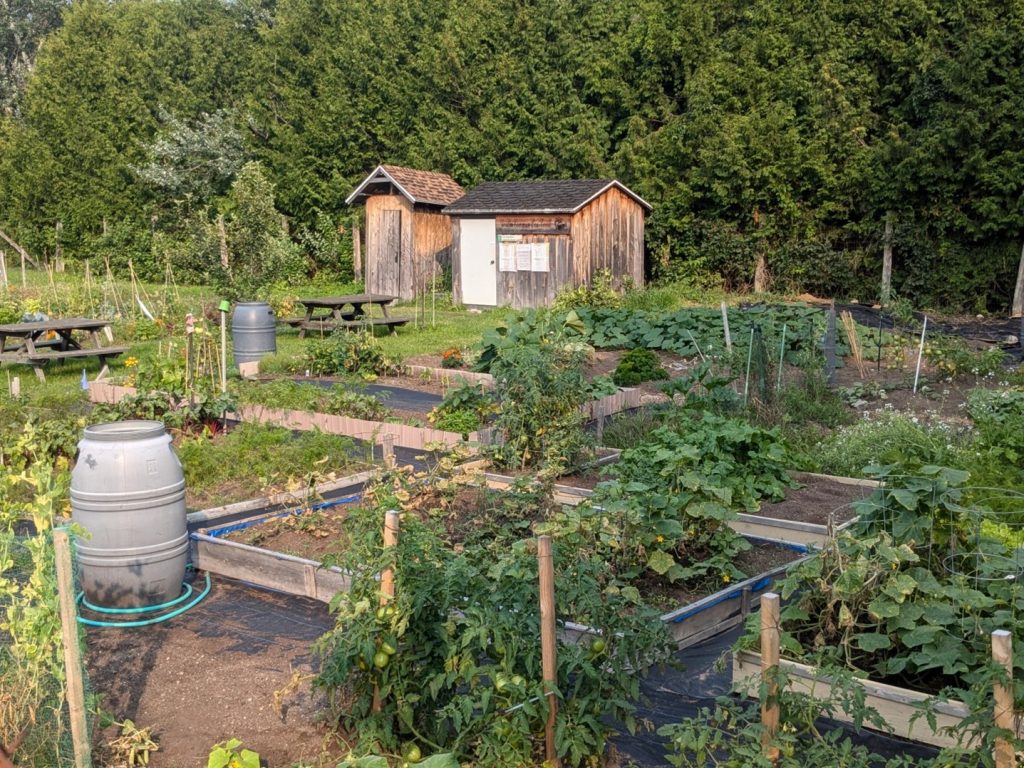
pixel 253 334
pixel 128 494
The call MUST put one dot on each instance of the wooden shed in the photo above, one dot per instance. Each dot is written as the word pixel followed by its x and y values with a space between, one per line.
pixel 517 243
pixel 408 238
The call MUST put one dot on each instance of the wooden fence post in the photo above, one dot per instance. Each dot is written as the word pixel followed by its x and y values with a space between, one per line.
pixel 72 652
pixel 387 442
pixel 769 670
pixel 3 268
pixel 548 647
pixel 387 579
pixel 599 409
pixel 1002 654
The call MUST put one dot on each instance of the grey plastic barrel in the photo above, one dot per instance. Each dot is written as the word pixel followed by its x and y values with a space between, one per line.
pixel 128 493
pixel 252 331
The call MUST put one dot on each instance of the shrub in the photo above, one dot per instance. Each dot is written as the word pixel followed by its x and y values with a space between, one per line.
pixel 600 294
pixel 637 366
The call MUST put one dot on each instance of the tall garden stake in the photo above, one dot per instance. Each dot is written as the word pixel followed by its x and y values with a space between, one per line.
pixel 750 356
pixel 920 353
pixel 782 357
pixel 770 671
pixel 725 326
pixel 548 647
pixel 1002 654
pixel 387 579
pixel 224 307
pixel 72 651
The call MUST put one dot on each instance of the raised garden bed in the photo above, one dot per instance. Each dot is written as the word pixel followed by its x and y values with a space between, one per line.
pixel 902 708
pixel 283 551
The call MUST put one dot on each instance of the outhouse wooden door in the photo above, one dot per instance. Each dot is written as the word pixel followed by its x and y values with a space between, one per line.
pixel 389 279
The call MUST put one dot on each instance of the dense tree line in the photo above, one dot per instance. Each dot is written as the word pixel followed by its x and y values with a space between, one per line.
pixel 781 129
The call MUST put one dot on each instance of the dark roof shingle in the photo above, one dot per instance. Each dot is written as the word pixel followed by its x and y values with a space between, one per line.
pixel 549 196
pixel 427 187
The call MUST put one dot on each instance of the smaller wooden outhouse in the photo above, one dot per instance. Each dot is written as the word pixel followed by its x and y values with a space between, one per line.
pixel 518 243
pixel 408 239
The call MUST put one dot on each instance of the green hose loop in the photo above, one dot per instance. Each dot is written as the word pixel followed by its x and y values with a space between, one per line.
pixel 145 609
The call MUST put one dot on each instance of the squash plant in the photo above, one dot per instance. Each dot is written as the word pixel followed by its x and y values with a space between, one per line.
pixel 455 657
pixel 912 593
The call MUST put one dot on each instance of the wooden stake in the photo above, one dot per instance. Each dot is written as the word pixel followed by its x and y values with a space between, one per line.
pixel 830 345
pixel 357 255
pixel 387 443
pixel 3 268
pixel 548 646
pixel 1002 654
pixel 1018 291
pixel 920 353
pixel 392 522
pixel 725 325
pixel 72 651
pixel 599 422
pixel 24 282
pixel 21 251
pixel 769 670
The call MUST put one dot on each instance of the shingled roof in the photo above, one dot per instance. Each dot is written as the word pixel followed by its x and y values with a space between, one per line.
pixel 426 187
pixel 561 196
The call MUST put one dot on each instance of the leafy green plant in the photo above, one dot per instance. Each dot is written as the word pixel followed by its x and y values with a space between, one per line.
pixel 452 358
pixel 705 389
pixel 231 754
pixel 541 389
pixel 599 295
pixel 637 366
pixel 350 352
pixel 952 356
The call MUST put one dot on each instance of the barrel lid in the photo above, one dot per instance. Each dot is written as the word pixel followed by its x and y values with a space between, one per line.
pixel 125 430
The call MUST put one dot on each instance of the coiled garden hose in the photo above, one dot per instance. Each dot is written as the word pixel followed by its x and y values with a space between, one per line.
pixel 144 609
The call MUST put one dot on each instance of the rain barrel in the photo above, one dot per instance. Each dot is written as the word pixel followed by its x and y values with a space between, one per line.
pixel 128 494
pixel 252 331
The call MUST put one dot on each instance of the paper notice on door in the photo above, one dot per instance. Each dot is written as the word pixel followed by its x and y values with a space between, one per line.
pixel 539 257
pixel 507 257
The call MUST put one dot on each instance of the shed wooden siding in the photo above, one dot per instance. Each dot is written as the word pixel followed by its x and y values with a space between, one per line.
pixel 521 290
pixel 456 261
pixel 432 245
pixel 608 234
pixel 386 276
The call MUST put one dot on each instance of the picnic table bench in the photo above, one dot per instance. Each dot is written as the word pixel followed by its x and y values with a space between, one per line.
pixel 345 312
pixel 33 345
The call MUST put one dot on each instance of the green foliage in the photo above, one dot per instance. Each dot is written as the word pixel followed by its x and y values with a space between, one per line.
pixel 338 399
pixel 541 389
pixel 230 754
pixel 600 295
pixel 912 593
pixel 455 655
pixel 261 253
pixel 669 508
pixel 952 356
pixel 637 366
pixel 465 408
pixel 350 352
pixel 705 389
pixel 270 456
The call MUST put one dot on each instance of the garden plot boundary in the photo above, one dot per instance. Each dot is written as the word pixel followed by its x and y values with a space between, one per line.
pixel 402 435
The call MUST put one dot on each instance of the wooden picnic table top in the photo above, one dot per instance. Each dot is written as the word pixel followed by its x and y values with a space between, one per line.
pixel 341 301
pixel 42 326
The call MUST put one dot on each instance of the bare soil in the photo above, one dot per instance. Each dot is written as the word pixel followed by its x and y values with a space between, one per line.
pixel 213 674
pixel 817 501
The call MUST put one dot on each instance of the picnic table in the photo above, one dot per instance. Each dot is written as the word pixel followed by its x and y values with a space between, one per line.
pixel 37 343
pixel 345 312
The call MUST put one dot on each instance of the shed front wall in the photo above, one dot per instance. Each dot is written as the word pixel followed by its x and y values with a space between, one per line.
pixel 609 234
pixel 432 240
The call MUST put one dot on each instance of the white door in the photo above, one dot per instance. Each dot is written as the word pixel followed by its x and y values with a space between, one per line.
pixel 478 252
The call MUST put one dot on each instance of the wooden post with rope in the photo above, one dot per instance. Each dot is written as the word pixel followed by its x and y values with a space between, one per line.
pixel 769 671
pixel 392 521
pixel 548 645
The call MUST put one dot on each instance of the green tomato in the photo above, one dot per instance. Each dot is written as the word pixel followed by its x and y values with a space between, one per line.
pixel 518 680
pixel 381 659
pixel 388 648
pixel 412 754
pixel 598 646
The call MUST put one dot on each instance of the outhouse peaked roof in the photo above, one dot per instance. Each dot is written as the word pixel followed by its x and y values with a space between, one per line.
pixel 549 196
pixel 428 187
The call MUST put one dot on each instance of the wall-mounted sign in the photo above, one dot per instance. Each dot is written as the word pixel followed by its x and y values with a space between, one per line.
pixel 507 257
pixel 523 257
pixel 531 225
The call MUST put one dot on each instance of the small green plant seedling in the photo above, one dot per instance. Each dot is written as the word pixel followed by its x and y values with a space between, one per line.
pixel 229 754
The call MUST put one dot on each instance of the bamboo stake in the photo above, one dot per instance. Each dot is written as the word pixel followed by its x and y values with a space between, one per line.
pixel 549 650
pixel 769 671
pixel 387 579
pixel 72 651
pixel 1002 654
pixel 850 328
pixel 3 268
pixel 750 355
pixel 920 353
pixel 24 282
